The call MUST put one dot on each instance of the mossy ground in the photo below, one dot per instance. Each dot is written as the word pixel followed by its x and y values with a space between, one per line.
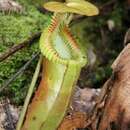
pixel 15 28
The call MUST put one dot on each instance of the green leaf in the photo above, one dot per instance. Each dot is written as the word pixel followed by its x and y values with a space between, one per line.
pixel 56 7
pixel 83 7
pixel 73 6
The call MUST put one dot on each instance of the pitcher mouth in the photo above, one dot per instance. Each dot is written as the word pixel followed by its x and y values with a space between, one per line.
pixel 60 46
pixel 65 54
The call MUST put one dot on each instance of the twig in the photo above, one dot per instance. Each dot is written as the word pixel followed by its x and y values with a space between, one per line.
pixel 127 37
pixel 15 48
pixel 21 70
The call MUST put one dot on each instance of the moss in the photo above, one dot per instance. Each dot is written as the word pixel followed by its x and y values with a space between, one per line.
pixel 14 29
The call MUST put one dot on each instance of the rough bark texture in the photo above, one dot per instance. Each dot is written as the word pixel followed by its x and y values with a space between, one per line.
pixel 114 113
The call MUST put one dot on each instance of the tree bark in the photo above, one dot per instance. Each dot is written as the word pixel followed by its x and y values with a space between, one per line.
pixel 112 111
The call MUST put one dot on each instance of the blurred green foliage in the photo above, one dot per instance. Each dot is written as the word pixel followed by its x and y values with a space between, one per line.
pixel 92 32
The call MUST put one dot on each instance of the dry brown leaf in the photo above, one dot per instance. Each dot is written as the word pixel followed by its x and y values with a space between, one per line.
pixel 71 122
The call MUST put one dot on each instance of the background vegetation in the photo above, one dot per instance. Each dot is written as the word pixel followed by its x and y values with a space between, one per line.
pixel 103 35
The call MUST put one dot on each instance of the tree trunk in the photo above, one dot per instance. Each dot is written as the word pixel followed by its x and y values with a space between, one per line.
pixel 112 111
